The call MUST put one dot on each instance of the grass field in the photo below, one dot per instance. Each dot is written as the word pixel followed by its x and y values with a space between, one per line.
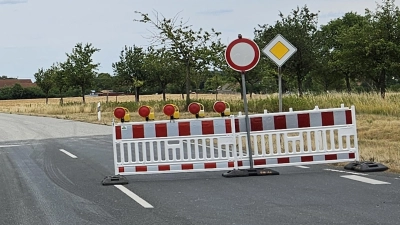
pixel 378 121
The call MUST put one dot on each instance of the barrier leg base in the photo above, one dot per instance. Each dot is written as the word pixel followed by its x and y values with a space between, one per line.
pixel 366 167
pixel 114 180
pixel 250 172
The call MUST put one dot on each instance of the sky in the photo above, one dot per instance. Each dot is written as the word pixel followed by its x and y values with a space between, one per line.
pixel 37 33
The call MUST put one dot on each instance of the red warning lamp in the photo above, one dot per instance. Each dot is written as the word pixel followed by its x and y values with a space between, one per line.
pixel 169 110
pixel 194 108
pixel 219 107
pixel 144 111
pixel 172 111
pixel 119 113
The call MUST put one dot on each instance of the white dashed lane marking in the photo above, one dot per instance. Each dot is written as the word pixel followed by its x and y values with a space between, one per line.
pixel 341 171
pixel 68 153
pixel 6 146
pixel 364 179
pixel 133 196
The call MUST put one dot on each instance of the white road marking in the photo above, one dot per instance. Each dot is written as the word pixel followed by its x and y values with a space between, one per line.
pixel 68 153
pixel 6 146
pixel 133 196
pixel 304 167
pixel 364 179
pixel 341 171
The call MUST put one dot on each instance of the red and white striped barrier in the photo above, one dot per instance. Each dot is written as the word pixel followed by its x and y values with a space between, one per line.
pixel 278 139
pixel 190 127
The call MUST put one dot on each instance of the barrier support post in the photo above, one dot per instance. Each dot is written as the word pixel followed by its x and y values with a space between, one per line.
pixel 115 179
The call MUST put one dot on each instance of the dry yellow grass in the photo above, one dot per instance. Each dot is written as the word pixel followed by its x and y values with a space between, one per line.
pixel 378 135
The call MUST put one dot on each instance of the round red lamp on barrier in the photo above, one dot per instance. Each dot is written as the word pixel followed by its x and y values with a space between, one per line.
pixel 194 108
pixel 144 111
pixel 169 110
pixel 219 107
pixel 119 112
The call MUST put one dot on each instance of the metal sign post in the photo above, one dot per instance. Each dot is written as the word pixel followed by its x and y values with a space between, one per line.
pixel 246 113
pixel 280 88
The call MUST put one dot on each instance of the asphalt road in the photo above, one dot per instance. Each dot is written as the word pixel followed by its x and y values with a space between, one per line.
pixel 51 172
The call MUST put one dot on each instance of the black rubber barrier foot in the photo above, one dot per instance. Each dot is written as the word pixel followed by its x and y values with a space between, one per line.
pixel 250 172
pixel 114 180
pixel 366 166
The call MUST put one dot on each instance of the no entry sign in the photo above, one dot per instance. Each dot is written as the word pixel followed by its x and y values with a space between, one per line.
pixel 242 54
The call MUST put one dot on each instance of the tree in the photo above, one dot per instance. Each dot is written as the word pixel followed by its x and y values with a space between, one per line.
pixel 374 45
pixel 79 67
pixel 59 77
pixel 17 91
pixel 299 28
pixel 161 68
pixel 104 81
pixel 45 81
pixel 194 49
pixel 130 68
pixel 332 64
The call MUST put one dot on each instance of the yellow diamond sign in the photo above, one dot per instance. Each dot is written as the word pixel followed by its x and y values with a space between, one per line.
pixel 279 50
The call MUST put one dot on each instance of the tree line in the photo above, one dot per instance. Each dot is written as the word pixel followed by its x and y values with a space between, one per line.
pixel 351 53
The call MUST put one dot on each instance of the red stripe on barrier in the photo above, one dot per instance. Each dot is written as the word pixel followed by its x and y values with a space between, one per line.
pixel 327 119
pixel 164 167
pixel 303 120
pixel 141 168
pixel 228 127
pixel 256 124
pixel 349 118
pixel 187 166
pixel 207 127
pixel 280 122
pixel 118 133
pixel 309 158
pixel 184 128
pixel 352 155
pixel 283 160
pixel 138 131
pixel 231 164
pixel 331 157
pixel 258 162
pixel 161 130
pixel 211 165
pixel 121 169
pixel 237 127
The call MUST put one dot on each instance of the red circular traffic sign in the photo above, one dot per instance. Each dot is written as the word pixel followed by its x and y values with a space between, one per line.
pixel 242 54
pixel 219 107
pixel 144 111
pixel 169 110
pixel 119 112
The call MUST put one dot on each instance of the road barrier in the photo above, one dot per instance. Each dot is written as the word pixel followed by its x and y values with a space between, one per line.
pixel 293 138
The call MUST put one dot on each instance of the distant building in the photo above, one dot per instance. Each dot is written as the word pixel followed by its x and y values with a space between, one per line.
pixel 9 82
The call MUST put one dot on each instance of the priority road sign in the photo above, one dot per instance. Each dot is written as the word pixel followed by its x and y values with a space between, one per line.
pixel 279 50
pixel 242 54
